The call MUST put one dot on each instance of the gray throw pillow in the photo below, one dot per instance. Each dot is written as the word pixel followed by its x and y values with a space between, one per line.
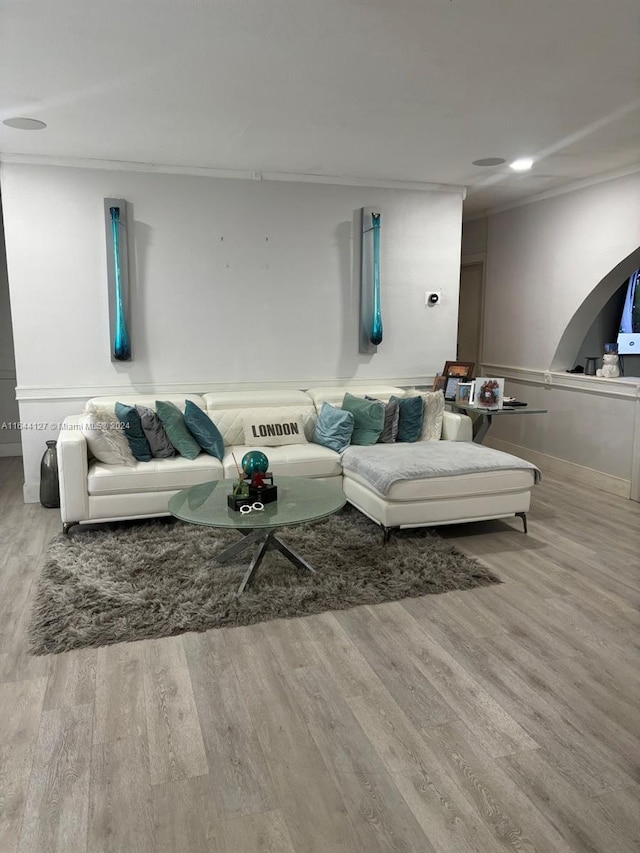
pixel 391 420
pixel 161 447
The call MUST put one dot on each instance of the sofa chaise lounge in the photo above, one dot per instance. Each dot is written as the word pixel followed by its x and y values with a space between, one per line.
pixel 92 491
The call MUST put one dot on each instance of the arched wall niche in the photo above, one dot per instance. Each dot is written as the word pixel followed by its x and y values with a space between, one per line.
pixel 571 342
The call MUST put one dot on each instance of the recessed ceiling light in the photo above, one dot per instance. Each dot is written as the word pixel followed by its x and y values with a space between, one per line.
pixel 521 165
pixel 489 161
pixel 25 123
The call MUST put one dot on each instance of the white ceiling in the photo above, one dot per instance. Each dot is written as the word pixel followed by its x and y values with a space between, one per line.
pixel 406 90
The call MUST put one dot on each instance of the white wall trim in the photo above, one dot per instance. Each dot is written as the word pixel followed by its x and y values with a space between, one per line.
pixel 570 187
pixel 33 393
pixel 237 174
pixel 11 449
pixel 579 473
pixel 624 386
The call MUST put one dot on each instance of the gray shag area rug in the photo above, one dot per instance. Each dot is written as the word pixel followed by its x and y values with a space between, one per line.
pixel 138 580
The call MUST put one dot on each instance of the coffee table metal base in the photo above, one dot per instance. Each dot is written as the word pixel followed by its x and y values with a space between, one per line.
pixel 265 539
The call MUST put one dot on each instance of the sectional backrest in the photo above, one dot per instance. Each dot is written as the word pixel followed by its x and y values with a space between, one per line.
pixel 334 394
pixel 148 400
pixel 229 409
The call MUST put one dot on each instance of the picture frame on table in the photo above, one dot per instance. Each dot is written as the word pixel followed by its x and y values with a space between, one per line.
pixel 451 388
pixel 462 369
pixel 439 383
pixel 465 393
pixel 489 393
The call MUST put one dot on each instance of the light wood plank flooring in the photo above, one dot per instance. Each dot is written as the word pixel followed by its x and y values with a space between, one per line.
pixel 499 719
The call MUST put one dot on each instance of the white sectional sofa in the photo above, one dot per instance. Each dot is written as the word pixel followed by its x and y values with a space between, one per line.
pixel 92 491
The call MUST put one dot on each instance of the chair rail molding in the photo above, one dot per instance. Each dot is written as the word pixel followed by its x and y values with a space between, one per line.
pixel 45 394
pixel 623 386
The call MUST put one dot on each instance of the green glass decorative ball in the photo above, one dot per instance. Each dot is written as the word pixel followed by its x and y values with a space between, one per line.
pixel 255 462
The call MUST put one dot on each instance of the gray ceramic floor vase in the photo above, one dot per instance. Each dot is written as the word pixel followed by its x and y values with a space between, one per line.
pixel 49 483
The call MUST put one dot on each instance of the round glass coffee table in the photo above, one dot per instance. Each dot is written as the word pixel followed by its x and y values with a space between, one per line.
pixel 300 500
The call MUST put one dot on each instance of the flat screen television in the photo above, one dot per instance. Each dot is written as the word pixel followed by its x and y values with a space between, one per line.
pixel 629 334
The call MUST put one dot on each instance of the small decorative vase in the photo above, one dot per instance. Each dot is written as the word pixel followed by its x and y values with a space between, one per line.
pixel 49 483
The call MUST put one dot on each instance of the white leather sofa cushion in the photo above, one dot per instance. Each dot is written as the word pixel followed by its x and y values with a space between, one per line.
pixel 159 475
pixel 149 400
pixel 289 460
pixel 460 485
pixel 228 410
pixel 334 394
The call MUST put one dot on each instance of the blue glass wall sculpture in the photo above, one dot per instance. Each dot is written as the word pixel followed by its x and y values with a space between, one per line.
pixel 370 302
pixel 118 278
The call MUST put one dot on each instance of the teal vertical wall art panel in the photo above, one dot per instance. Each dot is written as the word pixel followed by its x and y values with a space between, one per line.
pixel 370 298
pixel 118 277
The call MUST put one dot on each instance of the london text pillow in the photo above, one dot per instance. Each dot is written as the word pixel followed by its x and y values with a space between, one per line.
pixel 273 430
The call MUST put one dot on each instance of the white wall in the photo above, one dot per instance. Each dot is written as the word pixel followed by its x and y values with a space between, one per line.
pixel 590 433
pixel 232 282
pixel 9 437
pixel 544 259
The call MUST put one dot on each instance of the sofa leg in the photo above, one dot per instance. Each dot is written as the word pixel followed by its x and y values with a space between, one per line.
pixel 523 516
pixel 386 534
pixel 67 525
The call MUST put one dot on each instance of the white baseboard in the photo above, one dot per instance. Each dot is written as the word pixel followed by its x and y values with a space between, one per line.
pixel 31 493
pixel 570 470
pixel 11 449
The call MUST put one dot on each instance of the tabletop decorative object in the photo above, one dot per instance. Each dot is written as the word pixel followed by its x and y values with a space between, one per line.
pixel 254 483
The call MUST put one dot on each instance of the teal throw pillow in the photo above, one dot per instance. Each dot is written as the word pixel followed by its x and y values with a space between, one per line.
pixel 203 429
pixel 369 418
pixel 411 416
pixel 130 419
pixel 173 422
pixel 334 428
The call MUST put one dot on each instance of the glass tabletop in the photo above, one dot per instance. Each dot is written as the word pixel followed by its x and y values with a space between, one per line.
pixel 299 499
pixel 507 410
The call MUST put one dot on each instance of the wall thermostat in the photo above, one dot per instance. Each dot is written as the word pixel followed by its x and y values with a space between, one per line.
pixel 432 297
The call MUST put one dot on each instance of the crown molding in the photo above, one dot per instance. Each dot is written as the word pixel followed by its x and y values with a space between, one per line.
pixel 233 174
pixel 570 187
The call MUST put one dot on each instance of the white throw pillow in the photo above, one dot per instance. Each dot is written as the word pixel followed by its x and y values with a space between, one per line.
pixel 273 430
pixel 433 414
pixel 105 437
